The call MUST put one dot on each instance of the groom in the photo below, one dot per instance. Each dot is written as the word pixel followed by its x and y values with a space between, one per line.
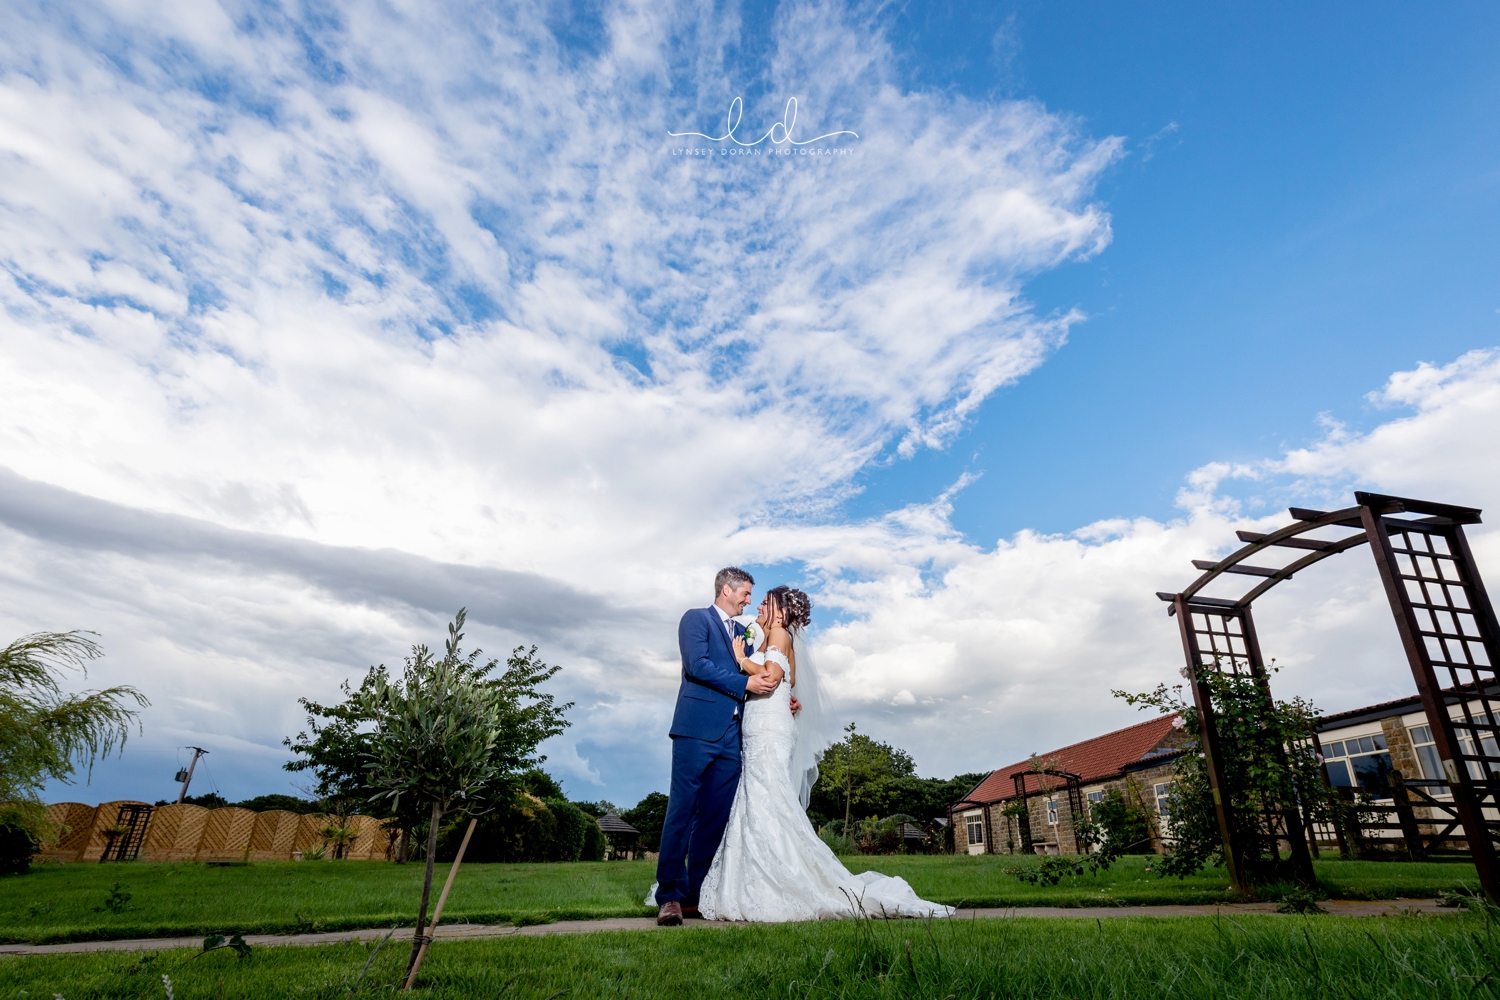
pixel 705 744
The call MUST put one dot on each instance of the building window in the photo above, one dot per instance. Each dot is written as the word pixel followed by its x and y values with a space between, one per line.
pixel 1427 755
pixel 1163 792
pixel 1488 745
pixel 1094 799
pixel 1359 762
pixel 974 823
pixel 1051 812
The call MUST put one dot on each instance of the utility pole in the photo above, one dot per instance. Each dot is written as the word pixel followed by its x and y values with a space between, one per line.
pixel 187 776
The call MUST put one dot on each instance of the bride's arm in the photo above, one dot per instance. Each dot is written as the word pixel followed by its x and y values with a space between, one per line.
pixel 780 640
pixel 754 668
pixel 748 664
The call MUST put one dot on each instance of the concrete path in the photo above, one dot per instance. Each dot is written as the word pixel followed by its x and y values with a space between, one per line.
pixel 462 932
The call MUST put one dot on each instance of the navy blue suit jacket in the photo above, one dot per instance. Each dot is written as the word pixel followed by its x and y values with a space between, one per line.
pixel 713 689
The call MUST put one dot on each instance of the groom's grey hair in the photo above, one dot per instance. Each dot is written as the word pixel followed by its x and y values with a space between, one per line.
pixel 733 576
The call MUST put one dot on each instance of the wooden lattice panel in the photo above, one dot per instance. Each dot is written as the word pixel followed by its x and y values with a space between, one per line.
pixel 309 832
pixel 274 833
pixel 1446 623
pixel 1452 628
pixel 370 841
pixel 76 822
pixel 1221 641
pixel 105 817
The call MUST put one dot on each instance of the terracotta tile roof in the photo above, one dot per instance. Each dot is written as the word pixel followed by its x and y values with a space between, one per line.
pixel 1100 757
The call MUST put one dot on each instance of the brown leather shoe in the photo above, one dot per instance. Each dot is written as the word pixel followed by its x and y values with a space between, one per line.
pixel 670 915
pixel 691 913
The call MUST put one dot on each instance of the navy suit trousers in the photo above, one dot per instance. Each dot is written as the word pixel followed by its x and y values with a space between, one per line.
pixel 705 775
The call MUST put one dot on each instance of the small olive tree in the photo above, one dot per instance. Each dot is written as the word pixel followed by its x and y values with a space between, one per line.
pixel 450 737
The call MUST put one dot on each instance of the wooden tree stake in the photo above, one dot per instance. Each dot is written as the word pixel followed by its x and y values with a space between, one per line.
pixel 437 912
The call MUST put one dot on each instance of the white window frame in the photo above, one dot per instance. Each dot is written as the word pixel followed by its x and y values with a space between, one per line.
pixel 1422 740
pixel 1051 812
pixel 1162 791
pixel 974 821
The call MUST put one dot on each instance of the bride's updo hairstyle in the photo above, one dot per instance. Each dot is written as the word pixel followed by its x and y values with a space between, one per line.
pixel 795 606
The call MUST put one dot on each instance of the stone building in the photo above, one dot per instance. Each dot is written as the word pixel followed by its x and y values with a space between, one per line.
pixel 1361 747
pixel 1139 760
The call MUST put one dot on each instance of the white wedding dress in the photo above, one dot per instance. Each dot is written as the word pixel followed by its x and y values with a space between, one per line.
pixel 771 866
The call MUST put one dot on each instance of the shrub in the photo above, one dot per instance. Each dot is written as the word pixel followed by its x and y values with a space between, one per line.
pixel 1123 825
pixel 831 833
pixel 17 845
pixel 572 824
pixel 593 840
pixel 519 829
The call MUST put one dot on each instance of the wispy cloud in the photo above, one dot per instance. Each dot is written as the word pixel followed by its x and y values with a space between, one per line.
pixel 321 321
pixel 434 284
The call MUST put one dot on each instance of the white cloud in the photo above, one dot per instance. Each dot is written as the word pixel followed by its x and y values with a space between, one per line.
pixel 315 329
pixel 435 284
pixel 1040 628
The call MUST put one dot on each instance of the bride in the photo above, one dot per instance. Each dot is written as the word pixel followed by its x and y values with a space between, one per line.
pixel 771 865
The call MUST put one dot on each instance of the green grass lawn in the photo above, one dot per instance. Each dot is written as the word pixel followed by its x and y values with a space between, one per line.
pixel 68 902
pixel 1266 958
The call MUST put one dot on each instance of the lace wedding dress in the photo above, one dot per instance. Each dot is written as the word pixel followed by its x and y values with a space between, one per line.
pixel 771 866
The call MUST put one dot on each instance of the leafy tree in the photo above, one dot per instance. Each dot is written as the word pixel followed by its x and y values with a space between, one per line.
pixel 926 798
pixel 449 736
pixel 541 784
pixel 265 803
pixel 648 816
pixel 46 734
pixel 600 808
pixel 336 747
pixel 208 800
pixel 860 769
pixel 1270 768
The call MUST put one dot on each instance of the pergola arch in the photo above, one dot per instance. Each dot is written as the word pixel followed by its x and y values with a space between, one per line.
pixel 1445 621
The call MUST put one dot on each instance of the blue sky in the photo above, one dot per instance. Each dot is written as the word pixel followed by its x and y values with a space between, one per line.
pixel 319 323
pixel 1308 204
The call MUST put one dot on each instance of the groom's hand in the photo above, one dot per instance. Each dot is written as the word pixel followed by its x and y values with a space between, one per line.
pixel 796 705
pixel 760 684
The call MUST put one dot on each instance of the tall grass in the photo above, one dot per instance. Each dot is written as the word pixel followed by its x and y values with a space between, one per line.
pixel 1264 958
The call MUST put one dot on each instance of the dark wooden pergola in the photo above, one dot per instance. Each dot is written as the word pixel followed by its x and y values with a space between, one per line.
pixel 1446 624
pixel 1074 785
pixel 622 836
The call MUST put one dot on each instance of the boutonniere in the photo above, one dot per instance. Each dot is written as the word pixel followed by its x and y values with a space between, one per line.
pixel 752 634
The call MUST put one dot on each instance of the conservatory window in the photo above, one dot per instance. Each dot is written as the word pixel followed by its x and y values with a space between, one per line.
pixel 1427 754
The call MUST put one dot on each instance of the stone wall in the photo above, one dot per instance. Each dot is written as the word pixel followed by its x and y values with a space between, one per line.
pixel 1398 744
pixel 193 833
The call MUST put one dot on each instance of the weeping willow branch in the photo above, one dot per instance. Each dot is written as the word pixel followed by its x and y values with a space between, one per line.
pixel 46 734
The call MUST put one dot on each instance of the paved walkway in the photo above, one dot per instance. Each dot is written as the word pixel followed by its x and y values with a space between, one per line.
pixel 461 932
